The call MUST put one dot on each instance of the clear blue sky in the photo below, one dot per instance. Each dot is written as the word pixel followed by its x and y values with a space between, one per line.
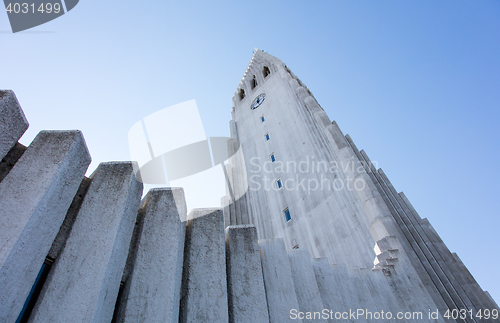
pixel 415 83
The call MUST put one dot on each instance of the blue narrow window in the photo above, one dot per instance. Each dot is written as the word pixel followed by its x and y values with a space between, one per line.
pixel 279 183
pixel 273 159
pixel 287 214
pixel 262 119
pixel 267 136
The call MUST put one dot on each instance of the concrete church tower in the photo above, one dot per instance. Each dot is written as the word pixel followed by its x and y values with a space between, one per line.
pixel 310 230
pixel 309 185
pixel 327 202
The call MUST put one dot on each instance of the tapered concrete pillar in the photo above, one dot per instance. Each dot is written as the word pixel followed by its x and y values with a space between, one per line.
pixel 280 290
pixel 246 293
pixel 225 202
pixel 84 281
pixel 329 289
pixel 152 288
pixel 204 285
pixel 34 198
pixel 13 123
pixel 9 160
pixel 306 287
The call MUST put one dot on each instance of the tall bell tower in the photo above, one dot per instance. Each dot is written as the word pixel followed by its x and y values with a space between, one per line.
pixel 306 182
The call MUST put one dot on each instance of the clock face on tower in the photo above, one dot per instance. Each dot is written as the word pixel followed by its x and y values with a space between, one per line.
pixel 258 101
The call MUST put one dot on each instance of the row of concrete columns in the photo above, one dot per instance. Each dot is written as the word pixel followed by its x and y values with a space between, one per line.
pixel 448 281
pixel 116 258
pixel 128 261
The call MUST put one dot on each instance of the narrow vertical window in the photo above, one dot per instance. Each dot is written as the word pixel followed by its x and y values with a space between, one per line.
pixel 266 71
pixel 242 94
pixel 262 119
pixel 279 183
pixel 253 82
pixel 267 136
pixel 287 214
pixel 273 159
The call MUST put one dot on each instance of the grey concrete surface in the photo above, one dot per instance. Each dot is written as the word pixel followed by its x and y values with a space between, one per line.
pixel 280 290
pixel 13 122
pixel 330 291
pixel 152 288
pixel 204 284
pixel 83 283
pixel 69 220
pixel 246 292
pixel 9 160
pixel 34 198
pixel 306 286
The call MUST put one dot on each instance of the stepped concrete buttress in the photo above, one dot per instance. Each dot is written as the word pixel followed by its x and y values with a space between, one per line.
pixel 34 198
pixel 13 122
pixel 83 284
pixel 154 267
pixel 306 286
pixel 204 284
pixel 280 290
pixel 246 292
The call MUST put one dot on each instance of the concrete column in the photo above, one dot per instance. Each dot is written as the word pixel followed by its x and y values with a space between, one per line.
pixel 362 292
pixel 204 284
pixel 34 199
pixel 152 288
pixel 13 123
pixel 280 290
pixel 484 299
pixel 69 220
pixel 84 281
pixel 306 287
pixel 492 300
pixel 225 202
pixel 348 290
pixel 246 293
pixel 9 160
pixel 326 284
pixel 379 290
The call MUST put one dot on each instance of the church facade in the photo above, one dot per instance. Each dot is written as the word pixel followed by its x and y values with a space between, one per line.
pixel 310 229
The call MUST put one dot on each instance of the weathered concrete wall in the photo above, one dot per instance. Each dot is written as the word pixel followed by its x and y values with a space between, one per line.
pixel 153 285
pixel 84 281
pixel 246 292
pixel 330 291
pixel 9 160
pixel 69 220
pixel 306 286
pixel 196 273
pixel 204 285
pixel 280 290
pixel 34 198
pixel 13 123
